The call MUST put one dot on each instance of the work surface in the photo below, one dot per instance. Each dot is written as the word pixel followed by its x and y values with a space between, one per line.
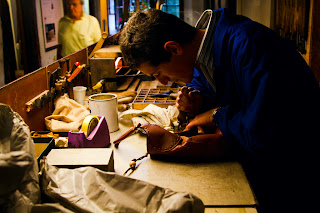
pixel 217 184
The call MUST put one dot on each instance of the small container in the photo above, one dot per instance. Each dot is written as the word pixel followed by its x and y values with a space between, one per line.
pixel 79 94
pixel 105 104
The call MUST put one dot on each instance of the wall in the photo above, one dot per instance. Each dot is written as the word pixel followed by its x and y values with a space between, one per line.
pixel 15 25
pixel 192 11
pixel 313 45
pixel 46 57
pixel 50 56
pixel 257 10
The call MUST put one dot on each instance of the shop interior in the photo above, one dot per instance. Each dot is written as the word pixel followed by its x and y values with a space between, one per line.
pixel 33 77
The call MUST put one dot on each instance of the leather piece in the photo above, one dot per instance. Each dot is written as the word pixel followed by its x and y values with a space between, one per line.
pixel 163 142
pixel 160 140
pixel 200 146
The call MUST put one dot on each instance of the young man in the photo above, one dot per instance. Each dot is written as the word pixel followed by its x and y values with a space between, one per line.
pixel 250 83
pixel 77 30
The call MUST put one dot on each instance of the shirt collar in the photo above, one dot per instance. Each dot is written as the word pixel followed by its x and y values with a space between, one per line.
pixel 203 23
pixel 206 21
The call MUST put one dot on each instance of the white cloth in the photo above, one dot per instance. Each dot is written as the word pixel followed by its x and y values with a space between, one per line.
pixel 87 189
pixel 67 116
pixel 167 118
pixel 19 182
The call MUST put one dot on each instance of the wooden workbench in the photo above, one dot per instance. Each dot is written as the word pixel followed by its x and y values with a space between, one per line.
pixel 222 186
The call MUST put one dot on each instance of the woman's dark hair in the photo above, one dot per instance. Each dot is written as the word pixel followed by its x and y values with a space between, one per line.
pixel 143 37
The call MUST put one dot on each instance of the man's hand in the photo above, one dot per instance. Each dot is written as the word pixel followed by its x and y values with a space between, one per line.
pixel 189 101
pixel 204 119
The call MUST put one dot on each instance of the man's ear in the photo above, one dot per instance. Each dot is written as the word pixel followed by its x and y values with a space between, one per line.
pixel 173 47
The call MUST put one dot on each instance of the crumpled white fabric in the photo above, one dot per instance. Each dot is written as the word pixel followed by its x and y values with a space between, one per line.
pixel 19 182
pixel 87 189
pixel 67 116
pixel 167 118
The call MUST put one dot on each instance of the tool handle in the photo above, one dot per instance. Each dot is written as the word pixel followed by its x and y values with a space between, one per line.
pixel 67 60
pixel 75 65
pixel 75 73
pixel 182 117
pixel 126 134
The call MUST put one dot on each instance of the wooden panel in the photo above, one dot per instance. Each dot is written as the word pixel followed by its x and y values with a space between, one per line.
pixel 104 16
pixel 292 18
pixel 19 92
pixel 110 51
pixel 315 40
pixel 311 18
pixel 307 55
pixel 80 56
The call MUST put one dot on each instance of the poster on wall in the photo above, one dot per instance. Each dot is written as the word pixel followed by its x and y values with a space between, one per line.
pixel 52 11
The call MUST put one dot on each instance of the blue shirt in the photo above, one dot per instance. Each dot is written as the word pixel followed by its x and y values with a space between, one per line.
pixel 268 94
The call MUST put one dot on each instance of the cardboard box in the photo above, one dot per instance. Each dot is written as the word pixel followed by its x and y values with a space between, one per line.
pixel 101 158
pixel 103 68
pixel 41 143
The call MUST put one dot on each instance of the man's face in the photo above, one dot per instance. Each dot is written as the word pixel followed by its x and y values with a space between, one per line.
pixel 75 9
pixel 176 70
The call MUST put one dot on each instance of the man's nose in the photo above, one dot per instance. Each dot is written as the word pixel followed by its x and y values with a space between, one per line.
pixel 162 79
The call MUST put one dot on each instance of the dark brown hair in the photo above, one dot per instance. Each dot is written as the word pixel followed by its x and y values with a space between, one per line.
pixel 143 37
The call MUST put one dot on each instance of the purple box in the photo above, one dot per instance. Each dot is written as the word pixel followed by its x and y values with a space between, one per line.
pixel 98 138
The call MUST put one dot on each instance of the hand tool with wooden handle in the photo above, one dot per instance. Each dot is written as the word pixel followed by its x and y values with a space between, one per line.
pixel 126 134
pixel 183 116
pixel 75 72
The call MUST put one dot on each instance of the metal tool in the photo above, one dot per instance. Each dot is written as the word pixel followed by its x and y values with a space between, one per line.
pixel 162 95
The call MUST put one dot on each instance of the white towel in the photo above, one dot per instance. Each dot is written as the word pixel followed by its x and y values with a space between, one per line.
pixel 167 118
pixel 67 116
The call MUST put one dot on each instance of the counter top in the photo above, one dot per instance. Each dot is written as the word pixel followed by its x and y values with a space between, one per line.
pixel 215 183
